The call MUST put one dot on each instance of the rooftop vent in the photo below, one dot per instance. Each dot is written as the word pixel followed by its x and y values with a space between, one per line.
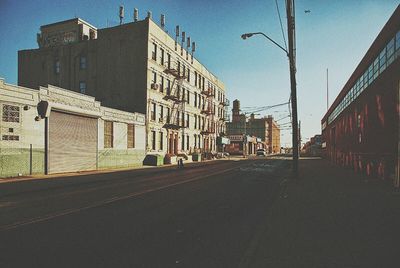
pixel 121 14
pixel 135 15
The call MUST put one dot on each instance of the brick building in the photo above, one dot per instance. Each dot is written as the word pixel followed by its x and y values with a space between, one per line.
pixel 361 128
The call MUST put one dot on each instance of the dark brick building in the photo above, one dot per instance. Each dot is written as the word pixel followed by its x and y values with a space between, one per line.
pixel 361 128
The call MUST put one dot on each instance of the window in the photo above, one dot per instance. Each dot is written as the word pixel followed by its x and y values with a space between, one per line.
pixel 162 84
pixel 57 67
pixel 162 56
pixel 195 140
pixel 397 44
pixel 168 115
pixel 183 143
pixel 161 141
pixel 195 99
pixel 169 60
pixel 195 79
pixel 168 87
pixel 183 120
pixel 131 136
pixel 161 113
pixel 153 140
pixel 154 79
pixel 153 112
pixel 108 134
pixel 83 63
pixel 154 52
pixel 187 142
pixel 187 120
pixel 82 87
pixel 199 82
pixel 10 138
pixel 195 121
pixel 10 113
pixel 376 68
pixel 188 96
pixel 178 91
pixel 370 75
pixel 382 60
pixel 188 75
pixel 390 51
pixel 179 68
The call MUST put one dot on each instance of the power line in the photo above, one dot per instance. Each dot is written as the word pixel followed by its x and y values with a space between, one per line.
pixel 280 21
pixel 256 109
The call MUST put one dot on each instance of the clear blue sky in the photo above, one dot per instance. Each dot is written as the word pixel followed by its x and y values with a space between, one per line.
pixel 335 35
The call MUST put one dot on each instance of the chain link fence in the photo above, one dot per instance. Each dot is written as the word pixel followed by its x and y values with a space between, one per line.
pixel 20 161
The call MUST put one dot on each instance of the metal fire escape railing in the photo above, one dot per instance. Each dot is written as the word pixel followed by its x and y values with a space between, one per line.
pixel 208 110
pixel 174 94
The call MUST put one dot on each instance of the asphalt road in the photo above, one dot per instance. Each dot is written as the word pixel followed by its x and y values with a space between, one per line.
pixel 205 215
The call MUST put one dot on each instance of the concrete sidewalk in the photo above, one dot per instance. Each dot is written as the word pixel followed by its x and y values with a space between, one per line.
pixel 330 217
pixel 106 171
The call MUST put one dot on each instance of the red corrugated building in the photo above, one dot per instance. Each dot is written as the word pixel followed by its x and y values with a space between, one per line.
pixel 361 128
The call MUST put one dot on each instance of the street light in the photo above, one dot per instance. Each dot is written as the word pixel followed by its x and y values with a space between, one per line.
pixel 248 35
pixel 292 66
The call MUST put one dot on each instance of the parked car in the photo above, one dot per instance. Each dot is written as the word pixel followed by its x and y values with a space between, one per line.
pixel 261 152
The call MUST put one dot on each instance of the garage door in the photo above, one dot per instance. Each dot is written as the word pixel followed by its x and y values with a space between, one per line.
pixel 72 142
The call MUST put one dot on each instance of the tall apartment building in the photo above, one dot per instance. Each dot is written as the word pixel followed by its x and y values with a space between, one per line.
pixel 135 67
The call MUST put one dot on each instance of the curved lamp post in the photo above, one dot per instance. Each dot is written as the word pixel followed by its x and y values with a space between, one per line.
pixel 291 57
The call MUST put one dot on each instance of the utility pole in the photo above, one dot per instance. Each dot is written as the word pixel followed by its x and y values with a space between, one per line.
pixel 327 90
pixel 290 14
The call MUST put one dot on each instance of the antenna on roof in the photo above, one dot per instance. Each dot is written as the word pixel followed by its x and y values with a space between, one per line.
pixel 135 14
pixel 162 21
pixel 176 36
pixel 121 14
pixel 183 41
pixel 193 49
pixel 187 47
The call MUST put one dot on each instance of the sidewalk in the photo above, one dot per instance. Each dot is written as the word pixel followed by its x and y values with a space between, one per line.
pixel 107 171
pixel 330 217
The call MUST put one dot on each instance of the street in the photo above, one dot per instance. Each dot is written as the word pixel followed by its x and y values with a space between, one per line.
pixel 205 215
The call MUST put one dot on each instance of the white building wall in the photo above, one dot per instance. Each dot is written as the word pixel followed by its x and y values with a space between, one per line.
pixel 16 156
pixel 164 41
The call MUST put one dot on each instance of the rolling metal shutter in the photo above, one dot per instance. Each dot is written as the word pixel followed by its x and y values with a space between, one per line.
pixel 72 143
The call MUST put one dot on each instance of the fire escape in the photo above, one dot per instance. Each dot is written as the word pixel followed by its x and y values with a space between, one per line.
pixel 225 115
pixel 175 119
pixel 208 110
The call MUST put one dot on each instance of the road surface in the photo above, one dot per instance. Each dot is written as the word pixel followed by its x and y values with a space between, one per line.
pixel 205 215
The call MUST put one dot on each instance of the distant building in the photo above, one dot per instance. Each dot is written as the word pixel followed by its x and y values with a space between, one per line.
pixel 258 127
pixel 135 67
pixel 313 147
pixel 53 130
pixel 265 129
pixel 238 124
pixel 361 128
pixel 274 136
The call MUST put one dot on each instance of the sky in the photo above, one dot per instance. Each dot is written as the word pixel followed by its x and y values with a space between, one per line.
pixel 334 35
